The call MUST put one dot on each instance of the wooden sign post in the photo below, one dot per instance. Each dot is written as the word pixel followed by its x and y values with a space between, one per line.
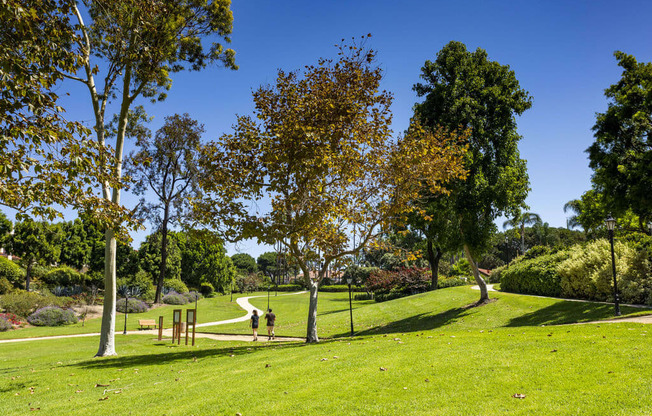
pixel 191 319
pixel 176 326
pixel 160 328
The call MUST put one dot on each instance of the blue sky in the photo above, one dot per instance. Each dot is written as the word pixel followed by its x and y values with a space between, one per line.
pixel 561 51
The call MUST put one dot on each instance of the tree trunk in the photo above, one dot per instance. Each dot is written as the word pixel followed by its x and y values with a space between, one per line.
pixel 311 335
pixel 28 275
pixel 433 259
pixel 484 294
pixel 164 254
pixel 107 333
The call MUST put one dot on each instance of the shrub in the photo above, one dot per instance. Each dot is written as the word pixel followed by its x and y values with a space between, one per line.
pixel 63 276
pixel 537 251
pixel 536 276
pixel 149 295
pixel 11 271
pixel 461 268
pixel 587 273
pixel 358 274
pixel 364 296
pixel 206 289
pixel 5 325
pixel 22 303
pixel 133 306
pixel 12 318
pixel 52 316
pixel 451 282
pixel 292 287
pixel 388 285
pixel 173 298
pixel 5 286
pixel 175 285
pixel 192 296
pixel 66 291
pixel 249 283
pixel 141 280
pixel 341 288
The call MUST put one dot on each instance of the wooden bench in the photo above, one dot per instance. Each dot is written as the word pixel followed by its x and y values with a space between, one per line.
pixel 147 323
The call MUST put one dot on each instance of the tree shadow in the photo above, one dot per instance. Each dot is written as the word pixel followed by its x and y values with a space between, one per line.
pixel 169 357
pixel 567 312
pixel 417 323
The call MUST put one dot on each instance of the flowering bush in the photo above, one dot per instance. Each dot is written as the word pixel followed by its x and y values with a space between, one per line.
pixel 192 296
pixel 133 306
pixel 5 325
pixel 52 316
pixel 173 298
pixel 12 318
pixel 388 285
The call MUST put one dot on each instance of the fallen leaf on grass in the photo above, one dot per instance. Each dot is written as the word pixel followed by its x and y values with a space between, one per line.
pixel 34 408
pixel 324 359
pixel 383 369
pixel 102 385
pixel 553 351
pixel 79 391
pixel 103 398
pixel 117 392
pixel 427 380
pixel 519 396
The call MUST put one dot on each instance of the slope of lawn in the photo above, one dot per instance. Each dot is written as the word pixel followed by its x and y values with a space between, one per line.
pixel 208 310
pixel 445 308
pixel 422 355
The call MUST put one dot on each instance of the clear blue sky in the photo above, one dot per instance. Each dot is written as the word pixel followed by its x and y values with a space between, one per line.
pixel 561 51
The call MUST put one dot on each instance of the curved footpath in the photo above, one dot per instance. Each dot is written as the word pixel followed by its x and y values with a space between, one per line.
pixel 242 302
pixel 647 319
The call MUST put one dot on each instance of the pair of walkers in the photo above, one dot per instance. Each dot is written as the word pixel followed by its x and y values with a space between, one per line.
pixel 270 317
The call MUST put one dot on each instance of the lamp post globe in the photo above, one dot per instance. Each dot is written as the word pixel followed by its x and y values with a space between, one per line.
pixel 610 222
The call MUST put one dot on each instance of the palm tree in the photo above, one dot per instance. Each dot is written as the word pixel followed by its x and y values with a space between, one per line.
pixel 574 206
pixel 522 219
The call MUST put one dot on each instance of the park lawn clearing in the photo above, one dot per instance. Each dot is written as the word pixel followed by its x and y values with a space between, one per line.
pixel 460 361
pixel 209 310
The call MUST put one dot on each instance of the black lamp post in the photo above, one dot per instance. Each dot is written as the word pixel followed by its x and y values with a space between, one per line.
pixel 611 224
pixel 349 281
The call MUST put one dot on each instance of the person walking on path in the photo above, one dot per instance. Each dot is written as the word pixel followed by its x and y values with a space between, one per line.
pixel 271 318
pixel 253 323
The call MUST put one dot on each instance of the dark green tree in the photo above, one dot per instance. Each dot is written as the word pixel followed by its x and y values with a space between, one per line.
pixel 268 264
pixel 35 243
pixel 520 220
pixel 204 260
pixel 244 263
pixel 621 155
pixel 166 166
pixel 463 89
pixel 150 255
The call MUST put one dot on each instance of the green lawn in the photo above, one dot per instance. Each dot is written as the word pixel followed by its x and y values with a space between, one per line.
pixel 441 358
pixel 208 310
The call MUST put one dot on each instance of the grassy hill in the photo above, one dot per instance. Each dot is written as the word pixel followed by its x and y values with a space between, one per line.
pixel 424 355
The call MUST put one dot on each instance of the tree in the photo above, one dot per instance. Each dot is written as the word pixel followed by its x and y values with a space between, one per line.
pixel 268 264
pixel 575 208
pixel 150 255
pixel 318 147
pixel 621 156
pixel 47 162
pixel 204 260
pixel 168 167
pixel 138 45
pixel 521 220
pixel 465 89
pixel 244 263
pixel 35 243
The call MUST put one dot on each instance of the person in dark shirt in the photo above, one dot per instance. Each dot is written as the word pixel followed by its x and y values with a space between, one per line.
pixel 253 323
pixel 271 318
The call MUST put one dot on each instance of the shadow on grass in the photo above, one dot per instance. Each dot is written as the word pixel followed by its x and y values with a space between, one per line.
pixel 566 312
pixel 168 355
pixel 416 323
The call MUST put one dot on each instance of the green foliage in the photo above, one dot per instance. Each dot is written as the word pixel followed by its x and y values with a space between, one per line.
pixel 387 285
pixel 289 288
pixel 537 251
pixel 11 272
pixel 452 282
pixel 150 256
pixel 142 281
pixel 466 89
pixel 63 276
pixel 5 286
pixel 341 288
pixel 621 156
pixel 536 276
pixel 461 268
pixel 35 243
pixel 176 285
pixel 206 289
pixel 587 273
pixel 52 316
pixel 359 274
pixel 248 283
pixel 204 260
pixel 244 263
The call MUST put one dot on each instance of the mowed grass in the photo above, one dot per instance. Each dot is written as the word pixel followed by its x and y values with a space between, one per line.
pixel 208 310
pixel 424 355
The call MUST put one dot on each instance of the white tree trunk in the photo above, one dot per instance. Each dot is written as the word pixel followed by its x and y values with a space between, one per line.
pixel 107 333
pixel 484 294
pixel 311 335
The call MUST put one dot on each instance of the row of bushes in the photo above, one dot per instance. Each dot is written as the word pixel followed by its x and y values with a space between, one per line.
pixel 23 303
pixel 584 272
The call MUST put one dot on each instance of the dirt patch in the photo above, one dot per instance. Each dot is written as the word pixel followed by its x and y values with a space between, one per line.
pixel 92 311
pixel 479 303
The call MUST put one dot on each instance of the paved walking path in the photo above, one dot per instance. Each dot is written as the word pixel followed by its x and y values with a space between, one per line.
pixel 242 302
